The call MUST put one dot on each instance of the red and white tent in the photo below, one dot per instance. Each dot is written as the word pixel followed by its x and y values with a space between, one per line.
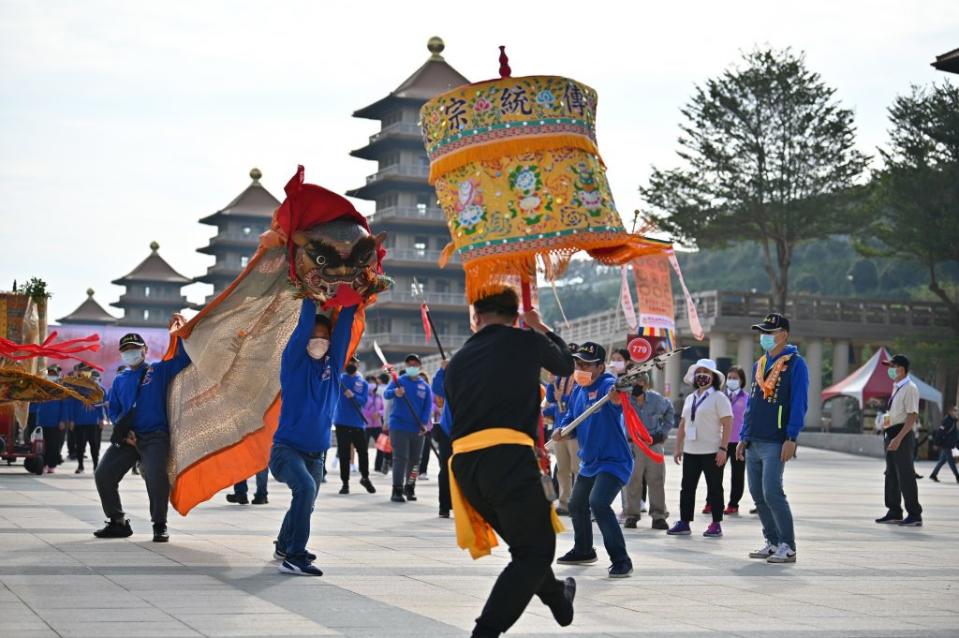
pixel 871 381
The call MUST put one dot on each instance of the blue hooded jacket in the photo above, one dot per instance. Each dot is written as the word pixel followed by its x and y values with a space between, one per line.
pixel 439 389
pixel 782 415
pixel 308 386
pixel 150 415
pixel 420 396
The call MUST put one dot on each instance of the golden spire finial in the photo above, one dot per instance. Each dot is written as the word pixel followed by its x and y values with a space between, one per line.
pixel 436 46
pixel 255 174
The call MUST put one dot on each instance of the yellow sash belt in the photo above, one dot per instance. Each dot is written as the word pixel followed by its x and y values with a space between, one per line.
pixel 472 530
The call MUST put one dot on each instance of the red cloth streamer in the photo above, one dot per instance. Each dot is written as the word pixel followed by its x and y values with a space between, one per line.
pixel 61 351
pixel 637 431
pixel 424 315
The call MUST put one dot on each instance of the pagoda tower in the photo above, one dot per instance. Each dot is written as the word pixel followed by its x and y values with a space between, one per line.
pixel 238 227
pixel 153 292
pixel 89 313
pixel 407 210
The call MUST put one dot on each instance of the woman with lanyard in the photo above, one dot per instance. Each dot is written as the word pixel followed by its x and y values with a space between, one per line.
pixel 701 445
pixel 738 398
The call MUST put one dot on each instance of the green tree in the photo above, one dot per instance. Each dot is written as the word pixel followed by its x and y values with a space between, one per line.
pixel 768 156
pixel 913 202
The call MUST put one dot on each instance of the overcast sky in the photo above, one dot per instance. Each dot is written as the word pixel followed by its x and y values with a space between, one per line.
pixel 125 122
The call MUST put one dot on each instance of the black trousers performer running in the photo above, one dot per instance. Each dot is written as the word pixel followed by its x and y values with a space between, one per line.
pixel 355 437
pixel 502 484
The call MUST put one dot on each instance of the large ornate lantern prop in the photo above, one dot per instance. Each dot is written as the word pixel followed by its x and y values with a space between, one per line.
pixel 517 171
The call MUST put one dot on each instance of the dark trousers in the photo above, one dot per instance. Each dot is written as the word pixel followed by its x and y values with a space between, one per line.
pixel 371 435
pixel 737 470
pixel 446 451
pixel 693 466
pixel 345 437
pixel 152 451
pixel 72 444
pixel 901 476
pixel 595 494
pixel 502 483
pixel 52 444
pixel 945 456
pixel 425 456
pixel 262 477
pixel 87 434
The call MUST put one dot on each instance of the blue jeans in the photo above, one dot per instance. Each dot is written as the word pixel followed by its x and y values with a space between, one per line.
pixel 596 494
pixel 303 473
pixel 945 456
pixel 764 470
pixel 242 489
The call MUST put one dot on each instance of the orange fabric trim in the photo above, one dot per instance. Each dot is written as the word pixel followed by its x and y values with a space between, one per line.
pixel 223 468
pixel 519 145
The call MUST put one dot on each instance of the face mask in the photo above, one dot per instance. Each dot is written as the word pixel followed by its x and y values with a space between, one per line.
pixel 638 390
pixel 892 373
pixel 767 342
pixel 732 384
pixel 52 378
pixel 583 377
pixel 351 369
pixel 617 366
pixel 703 380
pixel 413 371
pixel 132 357
pixel 317 348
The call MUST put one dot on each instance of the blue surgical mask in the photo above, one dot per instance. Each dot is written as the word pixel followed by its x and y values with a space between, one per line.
pixel 132 358
pixel 767 342
pixel 732 384
pixel 412 371
pixel 892 373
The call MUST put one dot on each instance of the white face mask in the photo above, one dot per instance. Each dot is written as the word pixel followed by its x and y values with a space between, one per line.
pixel 617 366
pixel 52 377
pixel 132 357
pixel 317 348
pixel 732 384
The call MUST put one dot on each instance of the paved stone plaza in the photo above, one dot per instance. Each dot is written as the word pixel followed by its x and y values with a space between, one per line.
pixel 395 570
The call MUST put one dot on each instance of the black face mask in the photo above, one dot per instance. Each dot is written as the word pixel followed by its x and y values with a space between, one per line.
pixel 351 369
pixel 638 390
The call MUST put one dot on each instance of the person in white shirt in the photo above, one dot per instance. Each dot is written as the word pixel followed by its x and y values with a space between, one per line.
pixel 701 444
pixel 900 441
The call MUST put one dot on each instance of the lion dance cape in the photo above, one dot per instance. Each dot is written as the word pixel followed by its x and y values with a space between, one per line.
pixel 517 172
pixel 223 409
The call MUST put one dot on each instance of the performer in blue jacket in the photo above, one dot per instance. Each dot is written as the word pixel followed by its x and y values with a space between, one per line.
pixel 87 423
pixel 309 375
pixel 442 436
pixel 409 418
pixel 558 394
pixel 141 393
pixel 606 463
pixel 351 426
pixel 52 416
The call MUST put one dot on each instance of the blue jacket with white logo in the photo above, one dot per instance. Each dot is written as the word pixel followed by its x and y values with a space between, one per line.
pixel 308 386
pixel 602 437
pixel 150 415
pixel 349 412
pixel 420 397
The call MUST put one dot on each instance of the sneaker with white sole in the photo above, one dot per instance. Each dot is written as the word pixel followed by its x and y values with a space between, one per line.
pixel 784 554
pixel 768 550
pixel 299 568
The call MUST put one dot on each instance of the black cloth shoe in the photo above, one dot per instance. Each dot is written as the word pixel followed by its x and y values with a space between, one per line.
pixel 368 485
pixel 621 569
pixel 79 470
pixel 933 477
pixel 345 489
pixel 260 500
pixel 115 529
pixel 240 499
pixel 160 534
pixel 563 611
pixel 572 557
pixel 410 492
pixel 630 522
pixel 562 511
pixel 444 513
pixel 660 523
pixel 890 519
pixel 398 495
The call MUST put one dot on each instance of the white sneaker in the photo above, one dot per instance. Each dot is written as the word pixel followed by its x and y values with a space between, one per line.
pixel 768 550
pixel 784 554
